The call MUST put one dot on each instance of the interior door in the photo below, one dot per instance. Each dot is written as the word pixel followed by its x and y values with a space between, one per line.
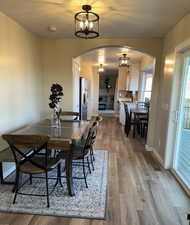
pixel 182 154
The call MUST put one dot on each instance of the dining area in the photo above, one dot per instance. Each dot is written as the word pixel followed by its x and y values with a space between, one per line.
pixel 55 169
pixel 137 119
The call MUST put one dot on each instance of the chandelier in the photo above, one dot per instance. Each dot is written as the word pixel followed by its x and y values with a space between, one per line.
pixel 87 23
pixel 124 60
pixel 101 68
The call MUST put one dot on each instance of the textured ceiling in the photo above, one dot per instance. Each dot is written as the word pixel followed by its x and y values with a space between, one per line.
pixel 109 56
pixel 119 18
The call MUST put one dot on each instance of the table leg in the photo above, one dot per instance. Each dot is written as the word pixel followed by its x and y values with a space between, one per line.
pixel 69 176
pixel 134 126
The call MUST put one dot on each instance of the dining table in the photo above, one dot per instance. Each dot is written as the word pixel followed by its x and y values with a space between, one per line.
pixel 62 138
pixel 135 112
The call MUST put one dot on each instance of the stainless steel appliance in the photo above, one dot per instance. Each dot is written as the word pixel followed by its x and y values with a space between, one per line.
pixel 83 98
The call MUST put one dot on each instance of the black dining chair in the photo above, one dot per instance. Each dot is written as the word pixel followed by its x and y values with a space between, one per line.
pixel 69 115
pixel 81 152
pixel 129 121
pixel 93 139
pixel 26 149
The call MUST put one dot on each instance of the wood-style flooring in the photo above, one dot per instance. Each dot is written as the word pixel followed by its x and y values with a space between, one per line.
pixel 140 192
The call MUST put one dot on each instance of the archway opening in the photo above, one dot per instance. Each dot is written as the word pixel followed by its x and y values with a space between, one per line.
pixel 108 91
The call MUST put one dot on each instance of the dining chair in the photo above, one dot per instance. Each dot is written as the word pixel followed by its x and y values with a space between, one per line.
pixel 93 132
pixel 95 125
pixel 80 155
pixel 93 139
pixel 141 104
pixel 129 120
pixel 25 149
pixel 69 114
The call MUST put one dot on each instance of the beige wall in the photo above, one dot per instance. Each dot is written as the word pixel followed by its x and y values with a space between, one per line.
pixel 146 62
pixel 134 75
pixel 86 71
pixel 21 79
pixel 122 79
pixel 90 72
pixel 176 37
pixel 20 74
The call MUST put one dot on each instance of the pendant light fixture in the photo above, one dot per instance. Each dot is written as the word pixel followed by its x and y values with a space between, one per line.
pixel 87 23
pixel 124 61
pixel 101 68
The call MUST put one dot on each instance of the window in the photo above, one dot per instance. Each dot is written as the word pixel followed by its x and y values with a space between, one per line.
pixel 182 154
pixel 187 102
pixel 147 86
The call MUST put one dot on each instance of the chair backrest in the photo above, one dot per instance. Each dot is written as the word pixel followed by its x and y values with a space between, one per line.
pixel 25 147
pixel 127 114
pixel 91 136
pixel 94 132
pixel 98 119
pixel 70 114
pixel 141 104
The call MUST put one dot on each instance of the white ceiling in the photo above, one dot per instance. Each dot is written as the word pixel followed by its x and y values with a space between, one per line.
pixel 110 56
pixel 119 18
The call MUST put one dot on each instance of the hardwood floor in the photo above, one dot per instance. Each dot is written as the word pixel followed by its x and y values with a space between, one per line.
pixel 140 192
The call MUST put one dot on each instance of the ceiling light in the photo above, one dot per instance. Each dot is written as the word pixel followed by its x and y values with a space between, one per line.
pixel 101 68
pixel 101 59
pixel 124 60
pixel 87 23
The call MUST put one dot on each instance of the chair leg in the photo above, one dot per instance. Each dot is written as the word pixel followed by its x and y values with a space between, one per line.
pixel 16 185
pixel 92 152
pixel 88 164
pixel 30 178
pixel 128 128
pixel 84 172
pixel 91 160
pixel 134 130
pixel 58 180
pixel 47 189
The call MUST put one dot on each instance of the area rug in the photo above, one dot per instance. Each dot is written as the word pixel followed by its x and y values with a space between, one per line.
pixel 87 203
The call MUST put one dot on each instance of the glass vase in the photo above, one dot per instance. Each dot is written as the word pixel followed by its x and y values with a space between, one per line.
pixel 55 120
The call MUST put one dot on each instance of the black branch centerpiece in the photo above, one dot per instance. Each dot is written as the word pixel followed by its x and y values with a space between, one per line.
pixel 55 99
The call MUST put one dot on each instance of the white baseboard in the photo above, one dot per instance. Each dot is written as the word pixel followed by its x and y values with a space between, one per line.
pixel 155 154
pixel 149 148
pixel 183 185
pixel 158 157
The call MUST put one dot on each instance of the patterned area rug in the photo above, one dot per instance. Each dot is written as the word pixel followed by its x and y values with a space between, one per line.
pixel 87 203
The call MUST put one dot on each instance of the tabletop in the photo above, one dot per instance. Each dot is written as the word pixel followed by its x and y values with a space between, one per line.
pixel 68 133
pixel 139 110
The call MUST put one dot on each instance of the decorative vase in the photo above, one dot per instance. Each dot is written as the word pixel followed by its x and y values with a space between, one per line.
pixel 55 119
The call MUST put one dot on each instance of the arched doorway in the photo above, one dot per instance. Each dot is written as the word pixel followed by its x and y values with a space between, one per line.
pixel 138 84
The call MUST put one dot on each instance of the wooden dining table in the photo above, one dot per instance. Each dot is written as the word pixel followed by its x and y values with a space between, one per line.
pixel 135 112
pixel 63 139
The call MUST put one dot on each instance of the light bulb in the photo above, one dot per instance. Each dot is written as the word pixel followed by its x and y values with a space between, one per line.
pixel 91 25
pixel 81 25
pixel 86 23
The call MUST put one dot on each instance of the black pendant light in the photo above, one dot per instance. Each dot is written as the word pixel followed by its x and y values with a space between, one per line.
pixel 124 61
pixel 101 68
pixel 87 23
